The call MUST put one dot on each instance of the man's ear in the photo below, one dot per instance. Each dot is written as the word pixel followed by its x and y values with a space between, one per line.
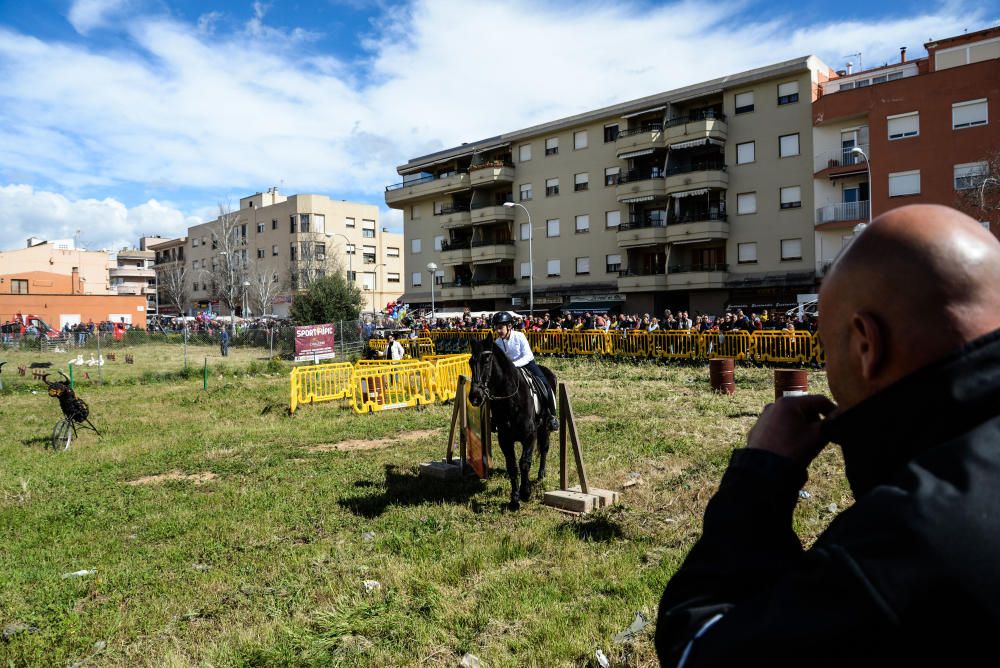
pixel 868 338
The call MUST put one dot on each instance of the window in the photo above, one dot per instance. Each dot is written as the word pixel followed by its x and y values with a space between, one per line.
pixel 612 219
pixel 552 268
pixel 438 240
pixel 552 146
pixel 414 213
pixel 969 175
pixel 613 263
pixel 552 227
pixel 610 133
pixel 368 234
pixel 788 92
pixel 351 249
pixel 904 183
pixel 969 114
pixel 367 224
pixel 581 182
pixel 525 270
pixel 392 251
pixel 304 223
pixel 348 222
pixel 195 243
pixel 291 224
pixel 352 276
pixel 368 254
pixel 292 255
pixel 551 187
pixel 524 152
pixel 746 253
pixel 417 279
pixel 525 231
pixel 579 140
pixel 19 286
pixel 392 277
pixel 260 253
pixel 320 251
pixel 582 266
pixel 415 246
pixel 260 228
pixel 582 224
pixel 745 153
pixel 611 175
pixel 525 192
pixel 788 145
pixel 274 223
pixel 791 197
pixel 791 249
pixel 744 102
pixel 903 125
pixel 274 250
pixel 746 203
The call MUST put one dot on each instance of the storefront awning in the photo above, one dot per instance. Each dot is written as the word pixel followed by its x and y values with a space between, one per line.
pixel 634 154
pixel 689 193
pixel 488 261
pixel 633 200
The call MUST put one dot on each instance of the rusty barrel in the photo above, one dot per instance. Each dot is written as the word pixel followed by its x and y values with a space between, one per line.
pixel 790 382
pixel 721 374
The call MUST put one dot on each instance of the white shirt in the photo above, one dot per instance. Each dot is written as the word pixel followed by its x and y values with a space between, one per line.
pixel 517 348
pixel 396 351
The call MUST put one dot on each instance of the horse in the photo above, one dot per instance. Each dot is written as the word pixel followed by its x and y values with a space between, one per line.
pixel 512 413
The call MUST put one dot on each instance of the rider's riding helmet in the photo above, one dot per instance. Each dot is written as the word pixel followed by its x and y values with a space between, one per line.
pixel 501 318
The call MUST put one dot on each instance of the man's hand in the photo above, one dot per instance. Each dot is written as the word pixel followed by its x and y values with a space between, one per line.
pixel 790 427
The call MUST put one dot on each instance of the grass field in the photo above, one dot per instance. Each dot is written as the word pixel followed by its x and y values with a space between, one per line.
pixel 224 532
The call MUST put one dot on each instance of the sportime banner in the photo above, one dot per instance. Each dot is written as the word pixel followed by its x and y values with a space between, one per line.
pixel 315 342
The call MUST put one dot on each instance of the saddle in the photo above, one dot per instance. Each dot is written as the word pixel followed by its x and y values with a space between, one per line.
pixel 536 392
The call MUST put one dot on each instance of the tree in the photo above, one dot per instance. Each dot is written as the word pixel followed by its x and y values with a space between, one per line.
pixel 172 280
pixel 310 261
pixel 980 198
pixel 264 287
pixel 229 267
pixel 328 299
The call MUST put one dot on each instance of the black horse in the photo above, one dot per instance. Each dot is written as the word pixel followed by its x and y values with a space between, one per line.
pixel 512 413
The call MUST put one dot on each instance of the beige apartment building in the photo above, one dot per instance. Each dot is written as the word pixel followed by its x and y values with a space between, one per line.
pixel 694 199
pixel 131 273
pixel 287 238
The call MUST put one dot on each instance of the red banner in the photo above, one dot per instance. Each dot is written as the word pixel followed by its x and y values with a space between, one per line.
pixel 315 342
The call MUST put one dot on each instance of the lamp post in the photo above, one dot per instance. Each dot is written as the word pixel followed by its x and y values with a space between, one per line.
pixel 857 150
pixel 246 289
pixel 531 258
pixel 350 255
pixel 375 287
pixel 432 267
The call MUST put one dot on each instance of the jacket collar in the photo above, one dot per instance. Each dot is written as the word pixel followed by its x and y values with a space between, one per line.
pixel 882 434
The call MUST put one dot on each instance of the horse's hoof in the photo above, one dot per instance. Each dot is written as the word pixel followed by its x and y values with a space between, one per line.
pixel 514 505
pixel 526 493
pixel 541 474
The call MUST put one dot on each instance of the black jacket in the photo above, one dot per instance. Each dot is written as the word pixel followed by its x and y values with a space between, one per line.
pixel 908 576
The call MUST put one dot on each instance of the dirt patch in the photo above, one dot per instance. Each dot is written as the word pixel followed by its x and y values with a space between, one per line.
pixel 360 444
pixel 196 478
pixel 584 419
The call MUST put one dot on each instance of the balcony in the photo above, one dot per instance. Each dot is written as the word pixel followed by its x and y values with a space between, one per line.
pixel 639 141
pixel 696 128
pixel 132 272
pixel 454 216
pixel 426 187
pixel 456 252
pixel 629 282
pixel 491 173
pixel 492 288
pixel 492 214
pixel 845 214
pixel 640 186
pixel 647 230
pixel 455 291
pixel 694 226
pixel 697 277
pixel 492 251
pixel 840 162
pixel 696 176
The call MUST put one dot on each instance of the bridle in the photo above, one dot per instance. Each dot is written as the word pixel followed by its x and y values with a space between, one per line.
pixel 484 383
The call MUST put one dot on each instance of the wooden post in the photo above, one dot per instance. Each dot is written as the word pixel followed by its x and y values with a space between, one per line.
pixel 571 424
pixel 455 414
pixel 563 404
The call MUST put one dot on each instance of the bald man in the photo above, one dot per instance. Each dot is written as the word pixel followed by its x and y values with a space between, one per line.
pixel 910 574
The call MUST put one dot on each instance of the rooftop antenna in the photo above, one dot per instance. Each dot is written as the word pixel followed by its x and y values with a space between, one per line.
pixel 858 54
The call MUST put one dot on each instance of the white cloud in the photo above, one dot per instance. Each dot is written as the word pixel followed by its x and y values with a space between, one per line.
pixel 85 15
pixel 105 223
pixel 244 111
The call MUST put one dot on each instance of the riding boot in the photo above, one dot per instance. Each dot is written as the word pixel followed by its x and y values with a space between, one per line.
pixel 553 418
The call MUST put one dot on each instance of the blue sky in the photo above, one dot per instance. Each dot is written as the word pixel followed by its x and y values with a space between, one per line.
pixel 129 117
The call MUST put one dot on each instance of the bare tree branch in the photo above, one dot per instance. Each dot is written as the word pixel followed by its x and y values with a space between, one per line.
pixel 229 266
pixel 264 287
pixel 172 280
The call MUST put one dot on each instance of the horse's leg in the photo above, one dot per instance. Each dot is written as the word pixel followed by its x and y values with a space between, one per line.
pixel 543 450
pixel 510 459
pixel 527 451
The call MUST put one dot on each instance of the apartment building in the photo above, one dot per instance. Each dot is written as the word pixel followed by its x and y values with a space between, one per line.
pixel 131 273
pixel 692 199
pixel 286 237
pixel 915 131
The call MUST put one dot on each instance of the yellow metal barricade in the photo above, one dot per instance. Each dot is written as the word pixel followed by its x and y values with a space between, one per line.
pixel 378 344
pixel 381 387
pixel 674 344
pixel 320 382
pixel 447 369
pixel 735 344
pixel 628 343
pixel 782 346
pixel 585 342
pixel 547 342
pixel 818 354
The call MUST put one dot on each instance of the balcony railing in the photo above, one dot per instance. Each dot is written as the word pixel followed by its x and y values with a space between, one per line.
pixel 700 166
pixel 492 164
pixel 689 268
pixel 457 244
pixel 625 273
pixel 841 157
pixel 479 243
pixel 695 217
pixel 706 115
pixel 845 211
pixel 479 282
pixel 640 222
pixel 485 205
pixel 642 129
pixel 640 175
pixel 446 210
pixel 423 179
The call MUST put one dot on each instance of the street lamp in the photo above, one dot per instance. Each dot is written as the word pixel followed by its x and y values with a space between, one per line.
pixel 375 287
pixel 857 150
pixel 246 288
pixel 432 267
pixel 350 255
pixel 531 258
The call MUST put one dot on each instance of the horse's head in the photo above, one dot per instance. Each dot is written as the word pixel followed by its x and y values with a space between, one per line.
pixel 481 364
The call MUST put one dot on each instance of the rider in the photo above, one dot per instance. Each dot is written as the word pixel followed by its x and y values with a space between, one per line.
pixel 515 345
